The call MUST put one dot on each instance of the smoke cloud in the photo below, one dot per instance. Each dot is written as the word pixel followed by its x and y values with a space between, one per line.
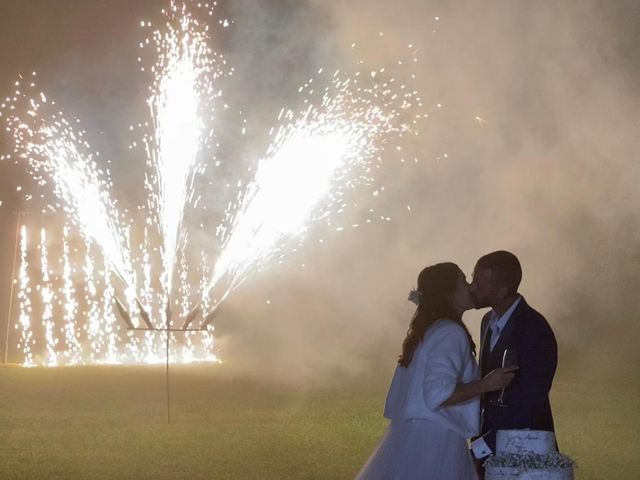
pixel 534 150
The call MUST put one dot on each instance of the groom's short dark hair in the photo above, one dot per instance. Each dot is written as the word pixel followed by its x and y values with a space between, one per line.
pixel 505 267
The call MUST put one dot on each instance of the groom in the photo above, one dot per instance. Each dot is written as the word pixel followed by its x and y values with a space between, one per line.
pixel 512 326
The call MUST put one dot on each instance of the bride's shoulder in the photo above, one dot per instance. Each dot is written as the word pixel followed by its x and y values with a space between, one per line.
pixel 445 328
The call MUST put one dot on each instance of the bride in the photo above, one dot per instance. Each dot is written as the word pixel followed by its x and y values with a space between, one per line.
pixel 433 401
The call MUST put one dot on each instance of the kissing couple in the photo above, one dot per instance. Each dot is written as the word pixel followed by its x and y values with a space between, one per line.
pixel 446 400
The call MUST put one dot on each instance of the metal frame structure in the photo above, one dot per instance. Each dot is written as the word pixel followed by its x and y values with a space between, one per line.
pixel 168 329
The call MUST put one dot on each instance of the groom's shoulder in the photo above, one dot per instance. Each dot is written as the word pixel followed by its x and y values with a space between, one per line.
pixel 528 312
pixel 533 317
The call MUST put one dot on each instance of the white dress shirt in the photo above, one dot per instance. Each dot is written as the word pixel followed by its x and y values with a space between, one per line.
pixel 441 361
pixel 498 323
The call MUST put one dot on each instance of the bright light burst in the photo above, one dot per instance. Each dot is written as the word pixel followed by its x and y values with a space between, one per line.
pixel 179 97
pixel 308 163
pixel 57 154
pixel 315 157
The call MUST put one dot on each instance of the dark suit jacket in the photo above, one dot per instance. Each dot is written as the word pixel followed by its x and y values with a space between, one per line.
pixel 527 398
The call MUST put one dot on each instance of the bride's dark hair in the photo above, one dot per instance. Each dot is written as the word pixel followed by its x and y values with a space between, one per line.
pixel 436 286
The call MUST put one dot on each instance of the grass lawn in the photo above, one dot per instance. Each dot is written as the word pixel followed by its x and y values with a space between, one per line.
pixel 110 423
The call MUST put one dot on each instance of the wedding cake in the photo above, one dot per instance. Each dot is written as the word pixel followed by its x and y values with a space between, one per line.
pixel 527 455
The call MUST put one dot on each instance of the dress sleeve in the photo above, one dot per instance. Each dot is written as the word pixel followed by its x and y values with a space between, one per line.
pixel 445 357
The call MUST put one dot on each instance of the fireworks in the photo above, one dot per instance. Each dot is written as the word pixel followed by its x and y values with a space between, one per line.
pixel 315 157
pixel 70 306
pixel 178 99
pixel 309 161
pixel 57 154
pixel 26 341
pixel 46 293
pixel 83 299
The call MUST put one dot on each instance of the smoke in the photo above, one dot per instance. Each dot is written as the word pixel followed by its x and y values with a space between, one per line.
pixel 534 150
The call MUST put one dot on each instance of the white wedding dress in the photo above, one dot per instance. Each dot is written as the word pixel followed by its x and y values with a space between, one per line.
pixel 425 441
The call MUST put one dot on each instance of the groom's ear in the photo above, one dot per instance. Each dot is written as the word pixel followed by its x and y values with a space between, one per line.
pixel 503 291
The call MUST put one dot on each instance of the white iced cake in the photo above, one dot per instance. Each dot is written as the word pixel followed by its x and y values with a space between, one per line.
pixel 527 455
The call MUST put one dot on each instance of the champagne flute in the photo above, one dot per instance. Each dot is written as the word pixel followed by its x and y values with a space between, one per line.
pixel 509 359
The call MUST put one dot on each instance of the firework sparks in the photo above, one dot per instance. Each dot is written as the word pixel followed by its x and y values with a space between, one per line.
pixel 46 293
pixel 70 306
pixel 187 67
pixel 312 160
pixel 56 153
pixel 315 157
pixel 26 341
pixel 92 314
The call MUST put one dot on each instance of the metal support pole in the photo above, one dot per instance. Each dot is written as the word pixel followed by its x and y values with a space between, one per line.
pixel 13 276
pixel 168 391
pixel 167 328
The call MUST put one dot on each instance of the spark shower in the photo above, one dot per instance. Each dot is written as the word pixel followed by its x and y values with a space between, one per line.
pixel 141 259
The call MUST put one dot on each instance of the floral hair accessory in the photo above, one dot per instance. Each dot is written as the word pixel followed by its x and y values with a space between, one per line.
pixel 415 296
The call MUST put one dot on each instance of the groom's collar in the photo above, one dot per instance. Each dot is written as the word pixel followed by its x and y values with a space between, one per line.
pixel 501 320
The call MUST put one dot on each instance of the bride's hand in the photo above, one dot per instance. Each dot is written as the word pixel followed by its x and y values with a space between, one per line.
pixel 498 379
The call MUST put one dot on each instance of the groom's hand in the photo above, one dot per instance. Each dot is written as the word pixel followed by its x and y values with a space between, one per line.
pixel 499 378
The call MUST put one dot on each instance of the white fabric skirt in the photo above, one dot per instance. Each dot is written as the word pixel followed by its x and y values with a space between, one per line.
pixel 417 449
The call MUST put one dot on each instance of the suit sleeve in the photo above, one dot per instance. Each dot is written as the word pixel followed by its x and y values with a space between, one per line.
pixel 528 396
pixel 444 364
pixel 537 359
